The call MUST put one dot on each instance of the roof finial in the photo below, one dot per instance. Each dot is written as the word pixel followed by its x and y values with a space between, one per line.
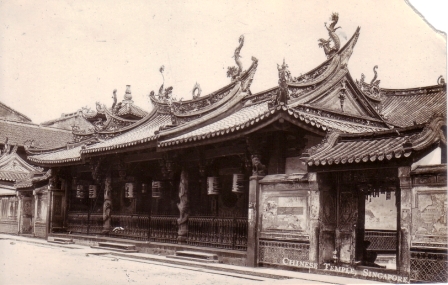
pixel 325 44
pixel 232 71
pixel 127 94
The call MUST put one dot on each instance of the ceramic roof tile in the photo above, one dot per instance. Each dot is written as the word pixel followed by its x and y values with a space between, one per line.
pixel 135 110
pixel 30 180
pixel 340 148
pixel 12 176
pixel 423 103
pixel 44 137
pixel 141 134
pixel 255 113
pixel 61 156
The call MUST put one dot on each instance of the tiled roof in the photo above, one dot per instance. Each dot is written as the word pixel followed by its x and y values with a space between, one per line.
pixel 403 107
pixel 12 176
pixel 28 182
pixel 9 113
pixel 44 137
pixel 13 167
pixel 258 112
pixel 61 156
pixel 340 148
pixel 131 109
pixel 142 134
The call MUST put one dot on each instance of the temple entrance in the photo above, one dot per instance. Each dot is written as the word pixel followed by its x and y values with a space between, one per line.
pixel 358 225
pixel 377 238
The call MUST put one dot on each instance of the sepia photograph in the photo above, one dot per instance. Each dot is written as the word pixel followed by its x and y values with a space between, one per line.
pixel 223 142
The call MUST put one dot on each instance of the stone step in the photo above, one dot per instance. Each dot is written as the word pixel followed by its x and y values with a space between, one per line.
pixel 195 256
pixel 60 240
pixel 121 247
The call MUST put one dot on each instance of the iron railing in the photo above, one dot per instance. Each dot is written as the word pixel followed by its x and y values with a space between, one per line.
pixel 163 229
pixel 381 240
pixel 228 233
pixel 77 223
pixel 130 226
pixel 429 267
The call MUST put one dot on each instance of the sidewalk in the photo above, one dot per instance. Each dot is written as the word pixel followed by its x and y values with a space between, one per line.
pixel 273 276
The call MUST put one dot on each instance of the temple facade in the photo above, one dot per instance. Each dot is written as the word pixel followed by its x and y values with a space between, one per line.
pixel 321 173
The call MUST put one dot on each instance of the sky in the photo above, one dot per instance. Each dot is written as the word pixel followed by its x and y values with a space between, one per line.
pixel 58 56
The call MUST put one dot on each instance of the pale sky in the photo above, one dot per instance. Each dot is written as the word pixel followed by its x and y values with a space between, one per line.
pixel 57 56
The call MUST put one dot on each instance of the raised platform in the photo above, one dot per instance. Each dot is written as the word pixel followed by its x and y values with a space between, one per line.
pixel 195 256
pixel 60 240
pixel 226 256
pixel 120 247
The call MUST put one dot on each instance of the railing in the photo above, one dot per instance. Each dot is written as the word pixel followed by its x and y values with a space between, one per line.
pixel 274 252
pixel 77 222
pixel 228 233
pixel 381 240
pixel 95 223
pixel 130 226
pixel 429 267
pixel 163 229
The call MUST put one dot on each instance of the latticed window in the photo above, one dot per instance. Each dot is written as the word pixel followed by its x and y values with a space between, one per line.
pixel 4 208
pixel 12 209
pixel 429 267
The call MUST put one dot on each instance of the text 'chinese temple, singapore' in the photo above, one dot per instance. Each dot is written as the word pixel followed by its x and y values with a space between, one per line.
pixel 322 173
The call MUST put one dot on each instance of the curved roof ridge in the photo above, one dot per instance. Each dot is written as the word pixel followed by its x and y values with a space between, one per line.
pixel 212 100
pixel 215 113
pixel 420 90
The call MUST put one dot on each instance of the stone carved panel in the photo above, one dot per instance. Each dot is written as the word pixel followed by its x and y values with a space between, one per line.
pixel 285 213
pixel 430 216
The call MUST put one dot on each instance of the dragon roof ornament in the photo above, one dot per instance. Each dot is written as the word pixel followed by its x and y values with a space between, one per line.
pixel 325 44
pixel 232 71
pixel 372 90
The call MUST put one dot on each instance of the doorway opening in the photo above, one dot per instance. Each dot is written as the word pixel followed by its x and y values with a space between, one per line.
pixel 377 223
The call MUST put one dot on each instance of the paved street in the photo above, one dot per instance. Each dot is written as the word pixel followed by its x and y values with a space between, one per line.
pixel 26 263
pixel 33 261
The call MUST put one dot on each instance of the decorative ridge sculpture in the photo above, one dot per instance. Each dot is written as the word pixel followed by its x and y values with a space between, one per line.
pixel 284 77
pixel 325 44
pixel 372 89
pixel 232 71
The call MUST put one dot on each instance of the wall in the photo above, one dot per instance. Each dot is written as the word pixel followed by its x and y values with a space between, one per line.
pixel 380 213
pixel 284 229
pixel 8 215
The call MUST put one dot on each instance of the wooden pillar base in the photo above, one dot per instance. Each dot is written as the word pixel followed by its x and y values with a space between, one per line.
pixel 252 217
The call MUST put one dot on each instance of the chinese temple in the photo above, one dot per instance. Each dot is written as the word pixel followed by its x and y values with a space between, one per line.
pixel 22 184
pixel 322 173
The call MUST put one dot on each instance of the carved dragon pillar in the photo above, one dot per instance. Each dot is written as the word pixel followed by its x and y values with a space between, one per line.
pixel 107 205
pixel 183 206
pixel 405 205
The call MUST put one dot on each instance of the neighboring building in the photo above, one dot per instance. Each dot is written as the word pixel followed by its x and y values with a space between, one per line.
pixel 10 114
pixel 68 121
pixel 301 176
pixel 22 185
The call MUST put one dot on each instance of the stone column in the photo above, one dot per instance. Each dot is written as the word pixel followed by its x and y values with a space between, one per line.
pixel 314 217
pixel 184 207
pixel 252 217
pixel 107 205
pixel 404 241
